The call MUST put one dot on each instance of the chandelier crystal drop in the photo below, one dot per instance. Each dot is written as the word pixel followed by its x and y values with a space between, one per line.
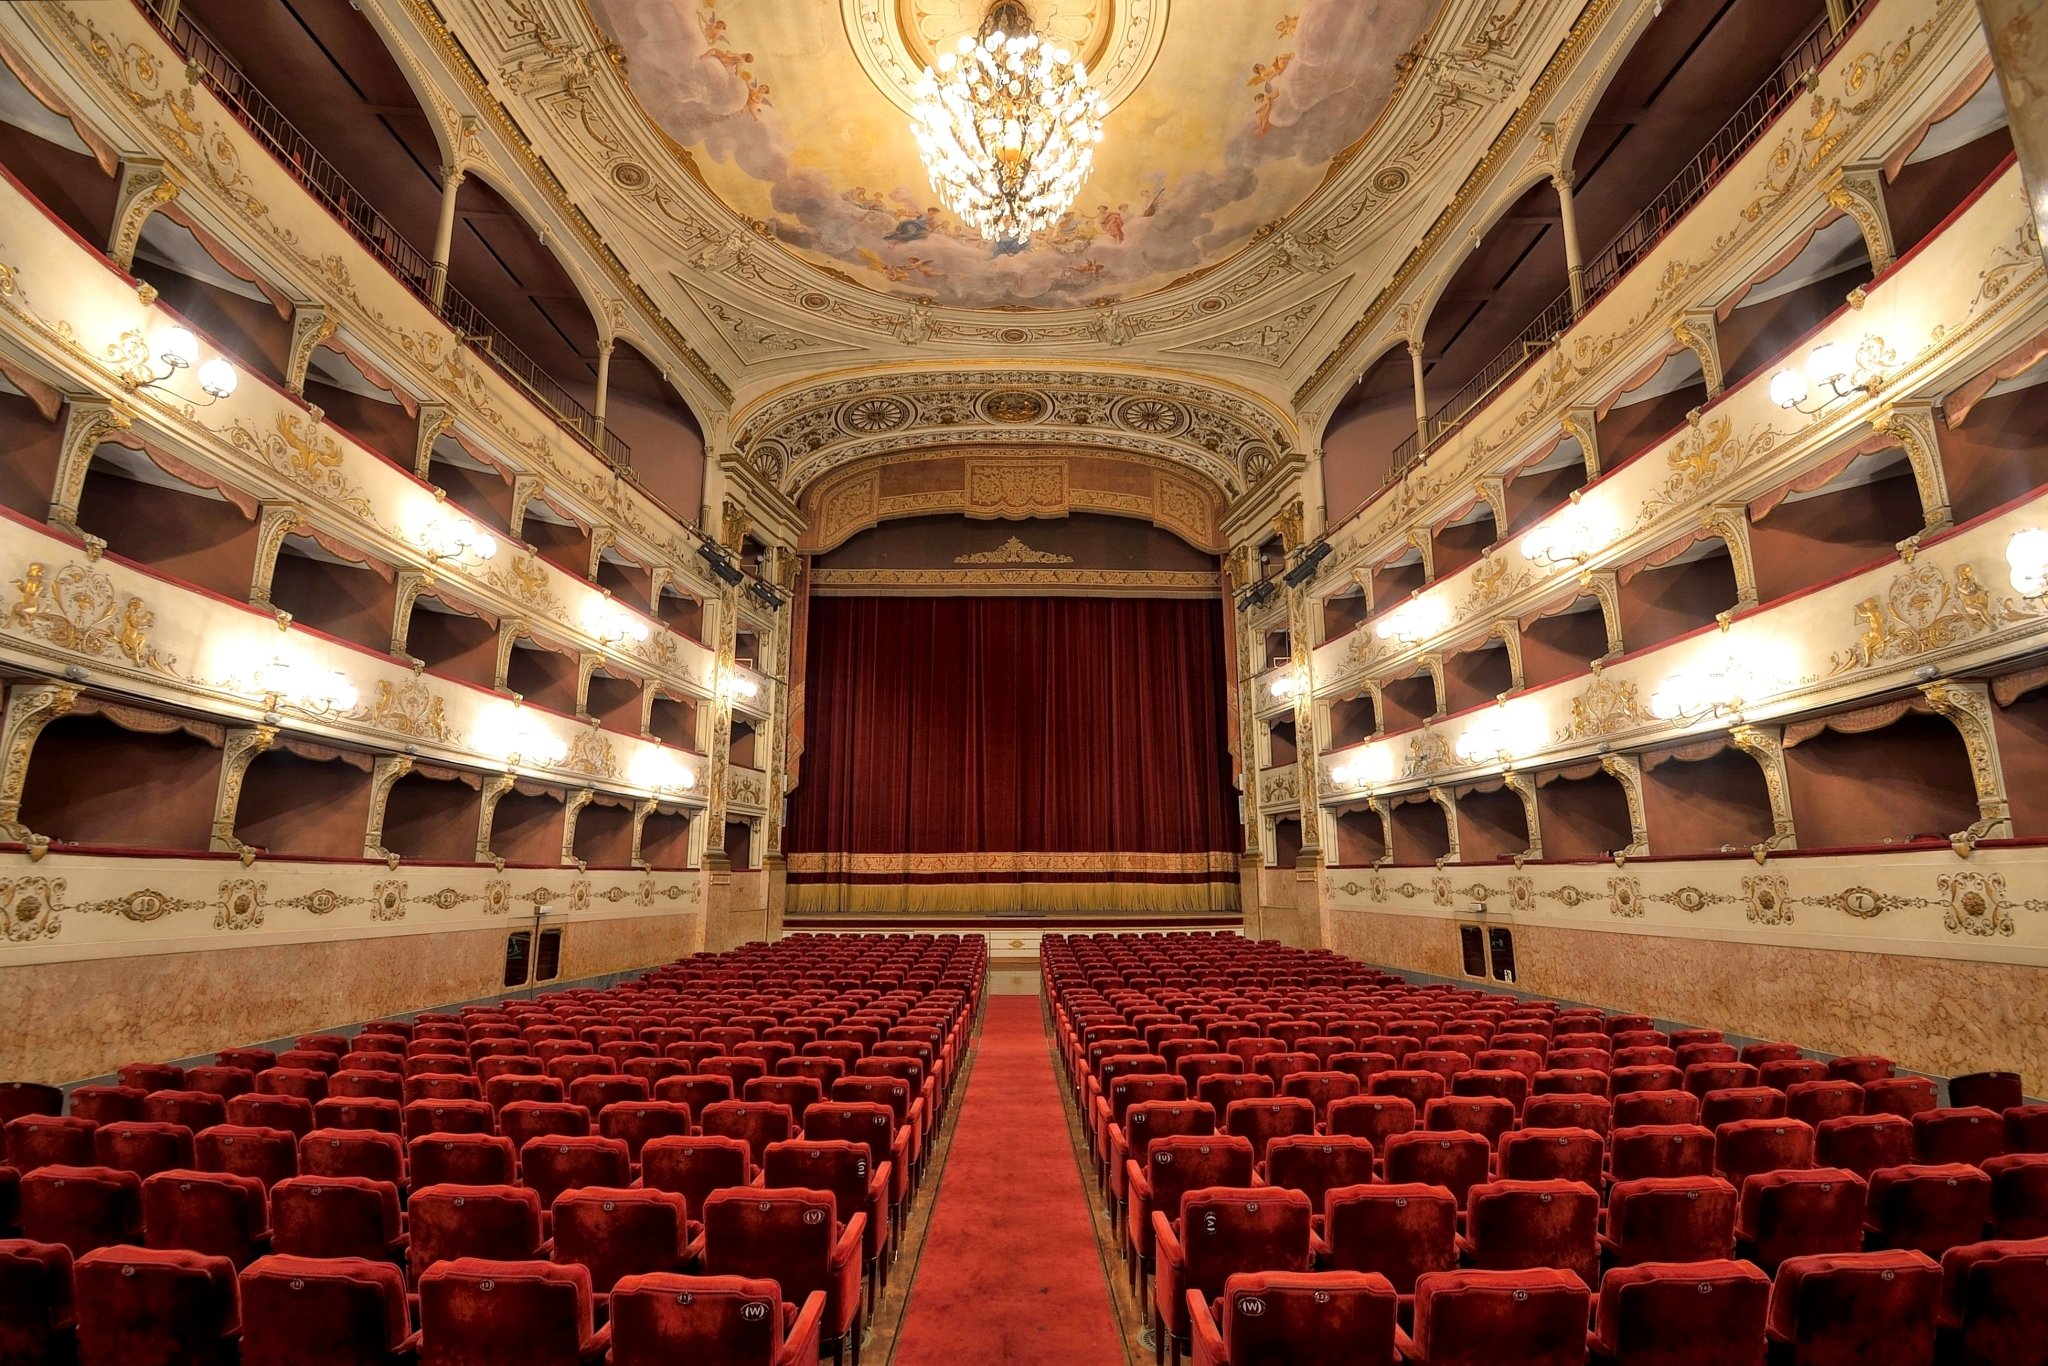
pixel 1007 127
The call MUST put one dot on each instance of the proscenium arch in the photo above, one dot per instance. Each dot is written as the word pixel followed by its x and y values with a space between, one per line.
pixel 800 433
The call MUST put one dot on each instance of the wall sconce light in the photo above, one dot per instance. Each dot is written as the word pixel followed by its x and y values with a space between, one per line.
pixel 180 351
pixel 1367 770
pixel 447 537
pixel 1286 684
pixel 304 687
pixel 1415 620
pixel 613 624
pixel 1832 372
pixel 511 733
pixel 739 688
pixel 1566 538
pixel 2026 556
pixel 661 771
pixel 1500 735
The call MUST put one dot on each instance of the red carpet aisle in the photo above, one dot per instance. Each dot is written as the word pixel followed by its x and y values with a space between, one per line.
pixel 1010 1270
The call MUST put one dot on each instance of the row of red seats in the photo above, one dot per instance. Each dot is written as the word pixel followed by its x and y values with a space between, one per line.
pixel 1313 1166
pixel 801 1192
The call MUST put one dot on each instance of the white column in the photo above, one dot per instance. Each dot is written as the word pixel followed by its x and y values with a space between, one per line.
pixel 1574 261
pixel 444 233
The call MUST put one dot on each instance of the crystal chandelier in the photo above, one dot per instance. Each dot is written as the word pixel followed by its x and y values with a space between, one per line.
pixel 1007 127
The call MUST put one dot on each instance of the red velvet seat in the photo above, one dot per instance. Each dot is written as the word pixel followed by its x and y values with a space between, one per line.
pixel 527 1313
pixel 1739 1103
pixel 1569 1110
pixel 1817 1102
pixel 293 1114
pixel 1416 1086
pixel 1374 1118
pixel 613 1233
pixel 1221 1232
pixel 225 1082
pixel 876 1128
pixel 1515 1225
pixel 1994 1091
pixel 1295 1317
pixel 1659 1150
pixel 1315 1164
pixel 559 1162
pixel 461 1160
pixel 1959 1134
pixel 1320 1089
pixel 144 1307
pixel 1395 1230
pixel 1635 1108
pixel 1670 1219
pixel 500 1223
pixel 38 1319
pixel 195 1110
pixel 106 1104
pixel 660 1319
pixel 1785 1073
pixel 1488 1318
pixel 695 1167
pixel 1707 1312
pixel 353 1152
pixel 81 1208
pixel 362 1084
pixel 215 1213
pixel 790 1236
pixel 754 1122
pixel 1855 1309
pixel 147 1076
pixel 307 1083
pixel 268 1155
pixel 49 1141
pixel 501 1091
pixel 633 1122
pixel 1761 1053
pixel 844 1169
pixel 341 1311
pixel 2019 1195
pixel 1551 1155
pixel 1799 1214
pixel 2026 1129
pixel 373 1113
pixel 144 1147
pixel 1221 1090
pixel 1142 1124
pixel 1261 1121
pixel 1454 1160
pixel 447 1117
pixel 1488 1116
pixel 336 1216
pixel 1860 1068
pixel 1864 1143
pixel 525 1120
pixel 1907 1096
pixel 1994 1304
pixel 1173 1167
pixel 1926 1208
pixel 1748 1146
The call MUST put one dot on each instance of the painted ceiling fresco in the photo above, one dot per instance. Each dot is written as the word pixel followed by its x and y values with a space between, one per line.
pixel 1235 120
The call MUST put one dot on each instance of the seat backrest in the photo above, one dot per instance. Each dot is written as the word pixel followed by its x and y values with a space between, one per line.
pixel 695 1167
pixel 1174 1166
pixel 1540 1154
pixel 1667 1312
pixel 1375 1118
pixel 216 1213
pixel 1324 1318
pixel 1801 1213
pixel 461 1160
pixel 1316 1164
pixel 838 1166
pixel 82 1208
pixel 1660 1150
pixel 784 1235
pixel 1452 1159
pixel 1870 1308
pixel 1512 1225
pixel 614 1232
pixel 1479 1318
pixel 1864 1143
pixel 1150 1120
pixel 1671 1219
pixel 352 1152
pixel 1227 1229
pixel 1997 1292
pixel 156 1308
pixel 510 1313
pixel 1261 1121
pixel 1398 1230
pixel 269 1155
pixel 334 1216
pixel 326 1311
pixel 35 1299
pixel 500 1223
pixel 558 1163
pixel 856 1121
pixel 664 1318
pixel 757 1122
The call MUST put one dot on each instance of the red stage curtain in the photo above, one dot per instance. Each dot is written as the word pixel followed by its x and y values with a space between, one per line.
pixel 1010 729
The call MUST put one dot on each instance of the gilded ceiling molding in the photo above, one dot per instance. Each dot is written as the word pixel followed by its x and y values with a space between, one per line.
pixel 1230 440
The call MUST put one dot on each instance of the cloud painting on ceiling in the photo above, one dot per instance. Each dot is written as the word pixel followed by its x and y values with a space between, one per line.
pixel 1236 120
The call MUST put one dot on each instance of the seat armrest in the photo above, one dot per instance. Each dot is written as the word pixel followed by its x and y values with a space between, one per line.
pixel 800 1347
pixel 406 1353
pixel 1203 1332
pixel 852 1236
pixel 598 1347
pixel 1404 1346
pixel 1166 1246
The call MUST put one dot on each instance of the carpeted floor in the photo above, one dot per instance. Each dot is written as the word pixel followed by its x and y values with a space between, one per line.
pixel 1010 1270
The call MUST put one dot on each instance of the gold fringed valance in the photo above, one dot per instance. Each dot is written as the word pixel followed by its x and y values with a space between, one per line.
pixel 1012 898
